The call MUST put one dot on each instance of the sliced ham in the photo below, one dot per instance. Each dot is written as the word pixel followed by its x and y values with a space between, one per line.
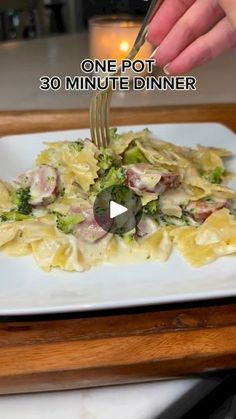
pixel 201 210
pixel 144 178
pixel 89 230
pixel 168 181
pixel 43 183
pixel 146 227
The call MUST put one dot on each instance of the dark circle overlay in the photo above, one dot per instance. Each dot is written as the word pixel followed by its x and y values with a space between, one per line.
pixel 125 222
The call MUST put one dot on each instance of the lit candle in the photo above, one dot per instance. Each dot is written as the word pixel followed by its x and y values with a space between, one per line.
pixel 112 37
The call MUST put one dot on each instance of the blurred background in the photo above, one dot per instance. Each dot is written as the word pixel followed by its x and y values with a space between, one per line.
pixel 27 19
pixel 51 37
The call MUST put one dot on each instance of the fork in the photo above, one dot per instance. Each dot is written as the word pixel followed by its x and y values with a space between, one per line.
pixel 99 110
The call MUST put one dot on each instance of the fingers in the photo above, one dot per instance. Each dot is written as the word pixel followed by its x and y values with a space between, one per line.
pixel 219 40
pixel 229 6
pixel 191 32
pixel 197 20
pixel 168 14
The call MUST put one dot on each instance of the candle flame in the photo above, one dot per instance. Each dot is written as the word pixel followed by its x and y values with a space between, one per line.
pixel 124 46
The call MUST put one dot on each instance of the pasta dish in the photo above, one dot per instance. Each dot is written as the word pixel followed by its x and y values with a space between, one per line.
pixel 186 203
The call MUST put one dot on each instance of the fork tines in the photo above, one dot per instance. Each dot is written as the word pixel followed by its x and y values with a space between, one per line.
pixel 99 118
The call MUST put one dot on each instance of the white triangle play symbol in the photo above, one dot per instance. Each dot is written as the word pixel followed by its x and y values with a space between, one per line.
pixel 116 209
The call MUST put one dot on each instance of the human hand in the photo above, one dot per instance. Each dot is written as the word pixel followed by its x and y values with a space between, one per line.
pixel 189 33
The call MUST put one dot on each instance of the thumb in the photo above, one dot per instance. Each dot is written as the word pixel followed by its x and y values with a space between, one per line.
pixel 229 7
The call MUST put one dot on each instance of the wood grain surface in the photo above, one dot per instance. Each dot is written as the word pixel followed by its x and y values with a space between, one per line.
pixel 116 348
pixel 39 121
pixel 92 349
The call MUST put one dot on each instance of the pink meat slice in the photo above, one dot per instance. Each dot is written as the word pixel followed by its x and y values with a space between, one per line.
pixel 170 180
pixel 89 230
pixel 146 227
pixel 201 210
pixel 43 183
pixel 143 178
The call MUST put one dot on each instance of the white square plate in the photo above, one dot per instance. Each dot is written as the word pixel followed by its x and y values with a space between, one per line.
pixel 25 289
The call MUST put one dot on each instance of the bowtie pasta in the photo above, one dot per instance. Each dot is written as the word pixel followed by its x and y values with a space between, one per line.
pixel 48 210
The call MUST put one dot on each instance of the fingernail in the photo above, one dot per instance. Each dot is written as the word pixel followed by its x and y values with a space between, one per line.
pixel 154 53
pixel 166 69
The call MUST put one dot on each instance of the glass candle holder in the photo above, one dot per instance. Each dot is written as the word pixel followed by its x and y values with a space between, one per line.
pixel 112 37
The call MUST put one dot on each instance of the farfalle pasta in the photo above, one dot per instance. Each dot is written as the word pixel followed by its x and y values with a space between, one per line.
pixel 186 204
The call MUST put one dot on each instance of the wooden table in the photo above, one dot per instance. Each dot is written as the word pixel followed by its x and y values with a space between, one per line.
pixel 109 347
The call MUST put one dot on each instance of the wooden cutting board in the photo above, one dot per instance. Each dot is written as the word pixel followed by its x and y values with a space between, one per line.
pixel 38 121
pixel 112 347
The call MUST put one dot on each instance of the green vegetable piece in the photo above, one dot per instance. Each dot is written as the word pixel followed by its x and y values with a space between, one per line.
pixel 20 199
pixel 122 195
pixel 67 223
pixel 13 216
pixel 115 176
pixel 77 146
pixel 62 192
pixel 134 155
pixel 107 159
pixel 151 208
pixel 208 198
pixel 128 238
pixel 113 134
pixel 214 176
pixel 167 220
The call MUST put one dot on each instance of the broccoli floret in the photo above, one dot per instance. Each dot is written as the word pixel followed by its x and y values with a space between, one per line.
pixel 184 220
pixel 113 134
pixel 107 159
pixel 214 176
pixel 151 208
pixel 128 238
pixel 167 220
pixel 123 195
pixel 115 176
pixel 62 192
pixel 208 198
pixel 13 216
pixel 76 146
pixel 134 155
pixel 67 223
pixel 20 199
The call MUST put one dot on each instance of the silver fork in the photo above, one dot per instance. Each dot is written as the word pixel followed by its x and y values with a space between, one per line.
pixel 99 111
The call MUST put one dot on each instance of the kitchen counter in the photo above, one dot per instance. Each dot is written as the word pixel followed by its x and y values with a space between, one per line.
pixel 141 401
pixel 23 63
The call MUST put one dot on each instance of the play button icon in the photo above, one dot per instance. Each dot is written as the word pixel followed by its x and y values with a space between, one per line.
pixel 117 209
